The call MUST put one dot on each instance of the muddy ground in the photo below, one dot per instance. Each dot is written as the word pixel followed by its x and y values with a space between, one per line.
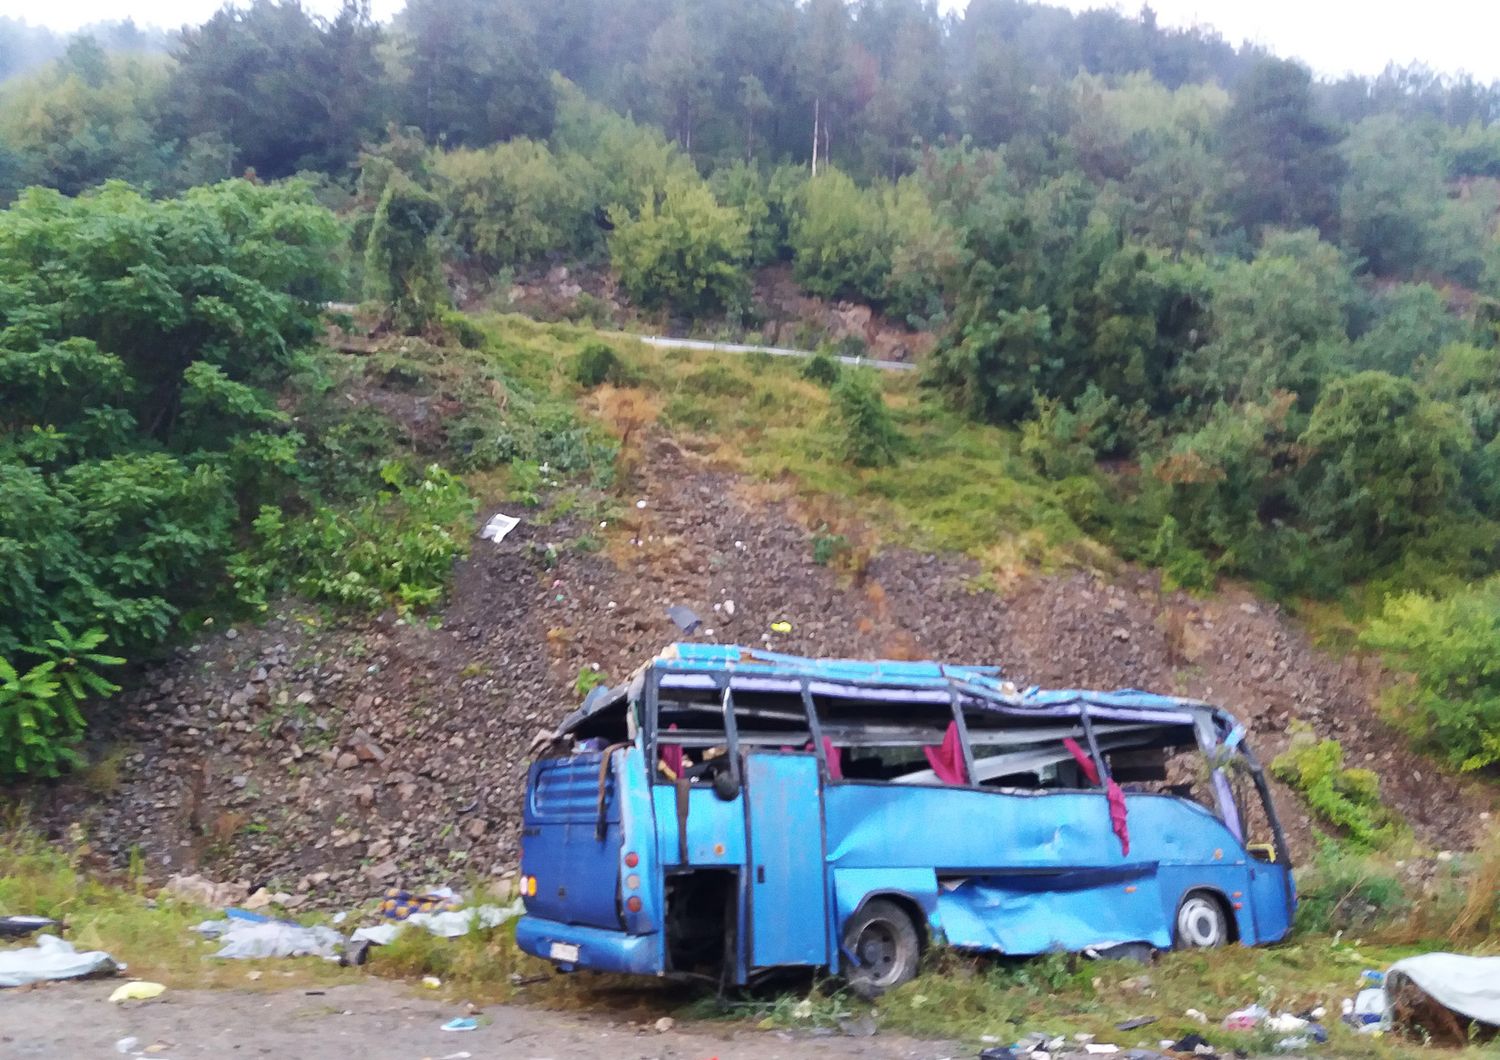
pixel 380 1021
pixel 332 759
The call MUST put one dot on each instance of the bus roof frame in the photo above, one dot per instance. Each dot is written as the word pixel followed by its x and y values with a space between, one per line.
pixel 707 667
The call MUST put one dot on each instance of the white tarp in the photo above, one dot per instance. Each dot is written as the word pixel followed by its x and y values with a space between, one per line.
pixel 449 925
pixel 1469 986
pixel 252 939
pixel 51 958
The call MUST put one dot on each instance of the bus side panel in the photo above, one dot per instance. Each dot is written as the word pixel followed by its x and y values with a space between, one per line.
pixel 1025 857
pixel 1045 911
pixel 715 828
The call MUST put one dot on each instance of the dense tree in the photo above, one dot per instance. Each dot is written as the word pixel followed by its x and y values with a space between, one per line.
pixel 474 73
pixel 1384 469
pixel 1281 150
pixel 284 90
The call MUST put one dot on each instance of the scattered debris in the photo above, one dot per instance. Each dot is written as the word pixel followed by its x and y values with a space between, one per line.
pixel 461 1023
pixel 499 525
pixel 1245 1019
pixel 139 990
pixel 400 905
pixel 781 627
pixel 51 958
pixel 684 618
pixel 1136 1023
pixel 18 927
pixel 449 925
pixel 247 936
pixel 665 1024
pixel 431 982
pixel 127 1046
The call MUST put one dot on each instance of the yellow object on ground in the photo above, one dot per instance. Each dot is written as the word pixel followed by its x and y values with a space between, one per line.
pixel 137 991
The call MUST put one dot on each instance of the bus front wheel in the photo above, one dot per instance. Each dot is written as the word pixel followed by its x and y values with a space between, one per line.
pixel 1201 922
pixel 882 948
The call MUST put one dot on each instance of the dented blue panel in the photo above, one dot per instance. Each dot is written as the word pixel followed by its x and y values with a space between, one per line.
pixel 1000 861
pixel 1043 912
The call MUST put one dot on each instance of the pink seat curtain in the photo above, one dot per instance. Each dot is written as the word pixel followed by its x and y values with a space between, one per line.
pixel 1117 814
pixel 671 754
pixel 947 759
pixel 835 759
pixel 1090 771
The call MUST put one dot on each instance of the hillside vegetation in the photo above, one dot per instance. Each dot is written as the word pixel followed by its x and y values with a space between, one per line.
pixel 1191 308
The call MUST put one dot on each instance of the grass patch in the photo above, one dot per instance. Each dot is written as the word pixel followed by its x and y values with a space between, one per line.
pixel 957 485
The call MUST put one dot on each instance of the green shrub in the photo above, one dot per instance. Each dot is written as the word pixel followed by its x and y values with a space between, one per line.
pixel 684 252
pixel 589 678
pixel 822 369
pixel 1348 799
pixel 1347 890
pixel 402 266
pixel 828 547
pixel 396 548
pixel 869 435
pixel 40 719
pixel 1450 646
pixel 596 363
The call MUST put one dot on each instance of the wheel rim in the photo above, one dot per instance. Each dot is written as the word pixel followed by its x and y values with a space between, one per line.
pixel 1200 922
pixel 876 949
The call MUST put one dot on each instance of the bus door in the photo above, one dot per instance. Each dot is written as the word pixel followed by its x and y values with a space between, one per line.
pixel 787 907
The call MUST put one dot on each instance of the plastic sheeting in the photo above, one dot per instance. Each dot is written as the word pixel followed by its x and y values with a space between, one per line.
pixel 51 958
pixel 246 939
pixel 1469 986
pixel 448 925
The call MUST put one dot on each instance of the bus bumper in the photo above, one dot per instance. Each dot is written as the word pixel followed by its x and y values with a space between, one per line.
pixel 572 947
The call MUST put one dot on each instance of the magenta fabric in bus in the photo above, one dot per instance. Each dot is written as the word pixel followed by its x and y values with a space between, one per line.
pixel 947 759
pixel 671 754
pixel 835 759
pixel 1117 814
pixel 1090 771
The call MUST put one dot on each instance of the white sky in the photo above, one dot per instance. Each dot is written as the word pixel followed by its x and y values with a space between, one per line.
pixel 1332 36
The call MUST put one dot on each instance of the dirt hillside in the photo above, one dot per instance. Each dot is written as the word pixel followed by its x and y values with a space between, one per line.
pixel 333 760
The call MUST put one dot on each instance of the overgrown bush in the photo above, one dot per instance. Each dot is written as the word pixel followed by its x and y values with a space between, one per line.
pixel 868 434
pixel 1449 644
pixel 402 264
pixel 596 363
pixel 1347 799
pixel 515 203
pixel 821 368
pixel 397 548
pixel 40 716
pixel 682 250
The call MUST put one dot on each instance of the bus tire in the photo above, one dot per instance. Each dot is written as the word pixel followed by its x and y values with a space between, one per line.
pixel 881 948
pixel 1201 923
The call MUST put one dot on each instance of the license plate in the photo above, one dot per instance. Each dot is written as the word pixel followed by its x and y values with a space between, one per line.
pixel 563 951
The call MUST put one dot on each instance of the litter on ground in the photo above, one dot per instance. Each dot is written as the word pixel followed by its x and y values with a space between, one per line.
pixel 140 990
pixel 51 958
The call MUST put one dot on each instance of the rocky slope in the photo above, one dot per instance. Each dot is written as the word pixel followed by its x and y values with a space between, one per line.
pixel 333 760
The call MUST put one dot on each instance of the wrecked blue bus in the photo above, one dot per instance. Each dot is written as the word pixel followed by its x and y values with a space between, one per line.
pixel 731 811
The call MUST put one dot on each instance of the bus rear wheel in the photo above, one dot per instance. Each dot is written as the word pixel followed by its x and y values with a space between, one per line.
pixel 882 948
pixel 1201 922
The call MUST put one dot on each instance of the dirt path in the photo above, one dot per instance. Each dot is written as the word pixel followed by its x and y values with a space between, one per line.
pixel 378 1021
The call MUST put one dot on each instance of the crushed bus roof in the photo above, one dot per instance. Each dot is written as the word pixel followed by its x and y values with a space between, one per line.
pixel 705 666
